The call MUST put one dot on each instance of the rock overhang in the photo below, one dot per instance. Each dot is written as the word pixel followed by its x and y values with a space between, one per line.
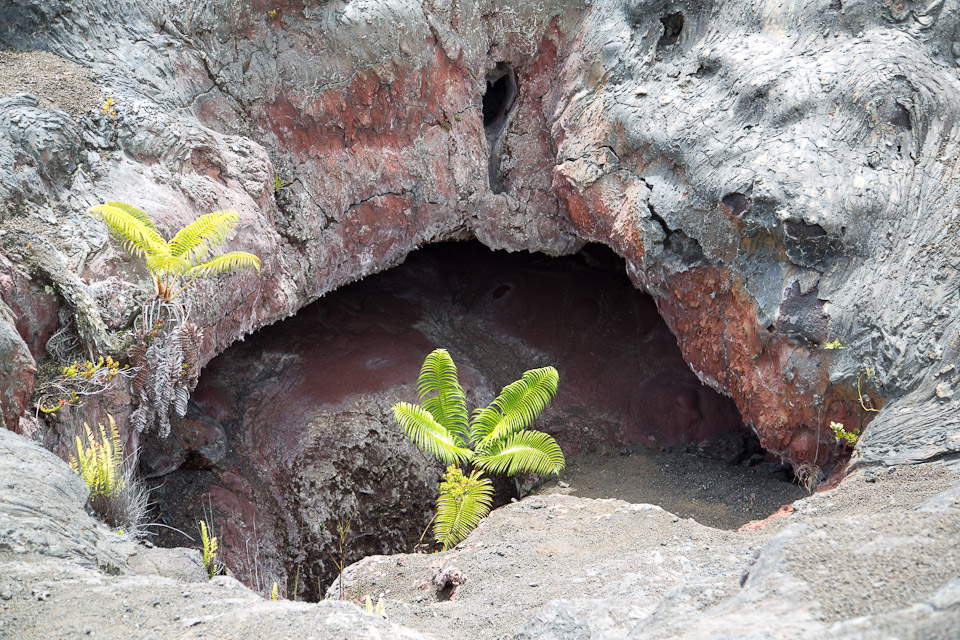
pixel 760 175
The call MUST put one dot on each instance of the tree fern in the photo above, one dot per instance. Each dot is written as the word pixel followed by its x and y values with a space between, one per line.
pixel 463 502
pixel 428 434
pixel 499 434
pixel 174 265
pixel 523 452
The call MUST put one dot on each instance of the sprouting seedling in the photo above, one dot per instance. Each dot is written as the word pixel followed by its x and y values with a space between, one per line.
pixel 379 610
pixel 279 181
pixel 842 434
pixel 211 561
pixel 107 108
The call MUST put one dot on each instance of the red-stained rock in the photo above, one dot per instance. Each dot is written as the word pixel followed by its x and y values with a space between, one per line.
pixel 17 369
pixel 34 307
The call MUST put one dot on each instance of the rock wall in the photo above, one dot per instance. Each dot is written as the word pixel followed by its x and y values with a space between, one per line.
pixel 776 177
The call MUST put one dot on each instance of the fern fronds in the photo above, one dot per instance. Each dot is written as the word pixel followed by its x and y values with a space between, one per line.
pixel 523 452
pixel 518 404
pixel 100 461
pixel 197 239
pixel 139 214
pixel 166 263
pixel 428 434
pixel 233 261
pixel 172 263
pixel 438 375
pixel 461 505
pixel 140 238
pixel 211 561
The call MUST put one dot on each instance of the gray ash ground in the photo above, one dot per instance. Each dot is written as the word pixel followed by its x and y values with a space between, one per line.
pixel 712 492
pixel 57 83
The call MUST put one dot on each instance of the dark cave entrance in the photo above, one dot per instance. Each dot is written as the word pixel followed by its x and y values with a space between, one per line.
pixel 290 433
pixel 498 101
pixel 672 28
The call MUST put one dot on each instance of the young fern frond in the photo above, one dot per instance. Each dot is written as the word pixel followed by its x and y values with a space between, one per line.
pixel 523 452
pixel 230 262
pixel 166 263
pixel 438 375
pixel 196 240
pixel 140 238
pixel 518 404
pixel 428 434
pixel 133 211
pixel 461 506
pixel 438 425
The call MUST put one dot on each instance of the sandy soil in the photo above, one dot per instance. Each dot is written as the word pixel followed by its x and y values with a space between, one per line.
pixel 712 492
pixel 57 83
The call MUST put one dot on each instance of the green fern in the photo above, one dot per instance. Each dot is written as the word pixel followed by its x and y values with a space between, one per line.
pixel 463 502
pixel 176 264
pixel 428 434
pixel 495 440
pixel 438 375
pixel 100 461
pixel 211 549
pixel 524 451
pixel 518 404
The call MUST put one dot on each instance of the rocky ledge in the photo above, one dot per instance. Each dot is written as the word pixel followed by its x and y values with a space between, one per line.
pixel 875 557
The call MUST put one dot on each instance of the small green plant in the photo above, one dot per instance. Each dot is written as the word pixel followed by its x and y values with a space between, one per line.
pixel 174 265
pixel 211 550
pixel 115 493
pixel 835 345
pixel 279 182
pixel 842 434
pixel 76 381
pixel 100 461
pixel 107 109
pixel 494 440
pixel 344 540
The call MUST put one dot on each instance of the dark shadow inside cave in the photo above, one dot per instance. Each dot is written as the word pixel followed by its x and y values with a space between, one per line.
pixel 290 432
pixel 672 28
pixel 498 101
